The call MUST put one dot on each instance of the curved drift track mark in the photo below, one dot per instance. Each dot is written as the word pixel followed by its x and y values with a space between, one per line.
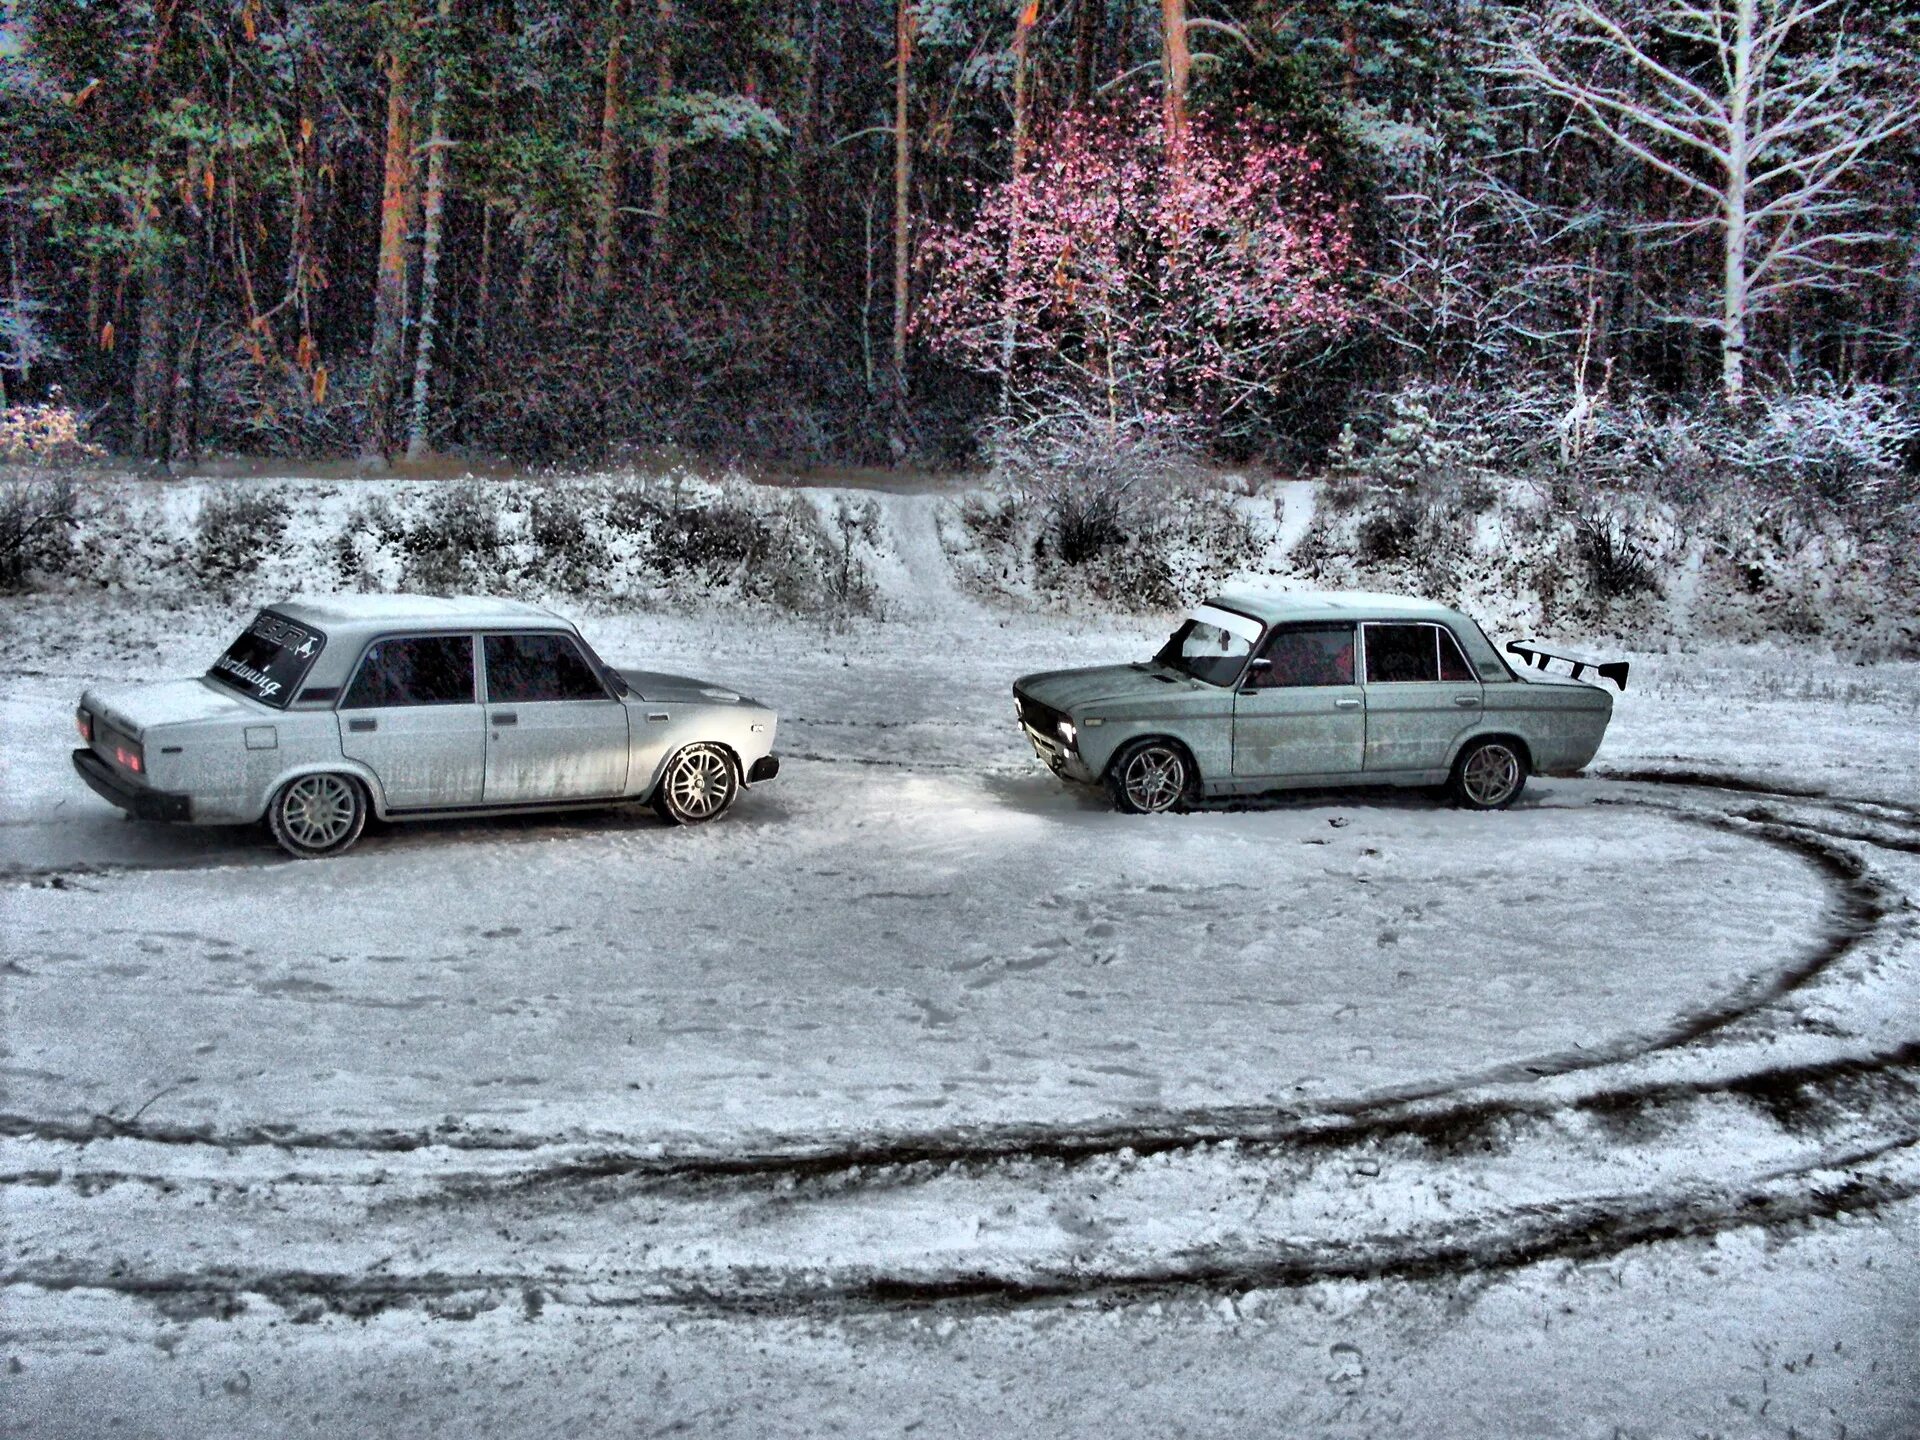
pixel 1863 1100
pixel 1863 902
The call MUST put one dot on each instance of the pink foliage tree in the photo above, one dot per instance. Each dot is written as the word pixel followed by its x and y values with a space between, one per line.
pixel 1113 282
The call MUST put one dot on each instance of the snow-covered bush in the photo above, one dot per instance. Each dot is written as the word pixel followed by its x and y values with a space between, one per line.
pixel 1615 554
pixel 37 520
pixel 1844 446
pixel 1074 516
pixel 236 530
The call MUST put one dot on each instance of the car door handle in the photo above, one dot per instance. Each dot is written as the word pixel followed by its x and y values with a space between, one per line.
pixel 1466 702
pixel 505 717
pixel 362 726
pixel 655 716
pixel 1346 704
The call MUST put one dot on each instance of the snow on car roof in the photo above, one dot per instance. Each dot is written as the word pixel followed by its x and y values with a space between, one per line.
pixel 386 610
pixel 1271 606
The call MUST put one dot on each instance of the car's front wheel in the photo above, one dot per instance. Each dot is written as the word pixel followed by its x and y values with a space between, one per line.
pixel 1489 775
pixel 318 815
pixel 699 783
pixel 1151 776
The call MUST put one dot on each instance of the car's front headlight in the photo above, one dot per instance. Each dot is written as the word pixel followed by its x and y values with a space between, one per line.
pixel 1067 732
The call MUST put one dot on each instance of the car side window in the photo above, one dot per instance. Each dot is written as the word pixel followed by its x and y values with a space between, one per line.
pixel 413 670
pixel 1399 653
pixel 539 667
pixel 1305 655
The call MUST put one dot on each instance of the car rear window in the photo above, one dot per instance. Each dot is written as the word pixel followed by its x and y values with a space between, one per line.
pixel 269 660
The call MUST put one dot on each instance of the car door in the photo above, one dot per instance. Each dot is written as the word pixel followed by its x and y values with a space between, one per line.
pixel 554 732
pixel 411 715
pixel 1299 710
pixel 1421 694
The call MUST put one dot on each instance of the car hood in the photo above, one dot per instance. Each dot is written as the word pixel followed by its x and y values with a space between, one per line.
pixel 136 709
pixel 656 685
pixel 1068 690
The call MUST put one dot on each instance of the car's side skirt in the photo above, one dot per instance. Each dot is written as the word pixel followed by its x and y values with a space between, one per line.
pixel 524 807
pixel 1258 784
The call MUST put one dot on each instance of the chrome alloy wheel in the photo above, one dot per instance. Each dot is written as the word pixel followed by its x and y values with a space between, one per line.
pixel 1153 778
pixel 699 784
pixel 317 815
pixel 1491 776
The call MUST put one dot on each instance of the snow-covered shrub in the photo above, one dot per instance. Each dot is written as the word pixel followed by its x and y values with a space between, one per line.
pixel 855 529
pixel 236 530
pixel 1391 531
pixel 1077 514
pixel 1614 553
pixel 568 552
pixel 1843 446
pixel 36 531
pixel 455 543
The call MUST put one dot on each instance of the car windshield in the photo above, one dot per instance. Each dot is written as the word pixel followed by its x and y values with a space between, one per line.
pixel 1206 652
pixel 269 660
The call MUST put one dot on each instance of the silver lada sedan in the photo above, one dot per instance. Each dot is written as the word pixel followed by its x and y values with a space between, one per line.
pixel 409 707
pixel 1267 692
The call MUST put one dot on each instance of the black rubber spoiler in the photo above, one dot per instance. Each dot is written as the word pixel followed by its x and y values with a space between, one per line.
pixel 1614 670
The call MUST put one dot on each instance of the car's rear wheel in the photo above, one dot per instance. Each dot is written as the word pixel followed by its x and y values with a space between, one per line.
pixel 317 815
pixel 1489 775
pixel 1150 777
pixel 698 785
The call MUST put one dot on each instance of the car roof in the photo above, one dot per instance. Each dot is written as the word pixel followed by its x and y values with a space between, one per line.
pixel 342 614
pixel 1273 606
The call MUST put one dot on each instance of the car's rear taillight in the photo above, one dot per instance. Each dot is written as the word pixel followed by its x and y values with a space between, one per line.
pixel 84 719
pixel 129 756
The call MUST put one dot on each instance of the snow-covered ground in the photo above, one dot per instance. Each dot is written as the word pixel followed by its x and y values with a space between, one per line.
pixel 922 1095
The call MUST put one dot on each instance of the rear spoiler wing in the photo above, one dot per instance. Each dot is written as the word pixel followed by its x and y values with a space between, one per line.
pixel 1614 670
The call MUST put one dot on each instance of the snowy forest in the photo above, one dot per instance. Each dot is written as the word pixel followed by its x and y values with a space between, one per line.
pixel 861 231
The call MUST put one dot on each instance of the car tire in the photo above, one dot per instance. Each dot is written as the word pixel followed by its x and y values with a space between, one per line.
pixel 1489 775
pixel 698 785
pixel 314 816
pixel 1151 777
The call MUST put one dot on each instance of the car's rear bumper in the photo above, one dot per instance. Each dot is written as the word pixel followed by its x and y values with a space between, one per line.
pixel 141 803
pixel 765 768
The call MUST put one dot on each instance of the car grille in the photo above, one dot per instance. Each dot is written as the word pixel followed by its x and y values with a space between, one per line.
pixel 1043 718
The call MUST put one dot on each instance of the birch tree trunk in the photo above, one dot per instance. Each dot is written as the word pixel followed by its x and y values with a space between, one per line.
pixel 902 189
pixel 437 147
pixel 390 279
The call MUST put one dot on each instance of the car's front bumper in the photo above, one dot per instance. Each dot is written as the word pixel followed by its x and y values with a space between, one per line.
pixel 1058 757
pixel 140 803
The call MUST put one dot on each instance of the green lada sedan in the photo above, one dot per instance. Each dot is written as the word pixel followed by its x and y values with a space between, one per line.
pixel 1259 692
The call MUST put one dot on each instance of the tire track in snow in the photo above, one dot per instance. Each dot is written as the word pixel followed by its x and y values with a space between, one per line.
pixel 1862 1180
pixel 1493 1111
pixel 1864 901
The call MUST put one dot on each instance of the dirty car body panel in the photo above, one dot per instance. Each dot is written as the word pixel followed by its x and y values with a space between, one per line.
pixel 1268 692
pixel 436 706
